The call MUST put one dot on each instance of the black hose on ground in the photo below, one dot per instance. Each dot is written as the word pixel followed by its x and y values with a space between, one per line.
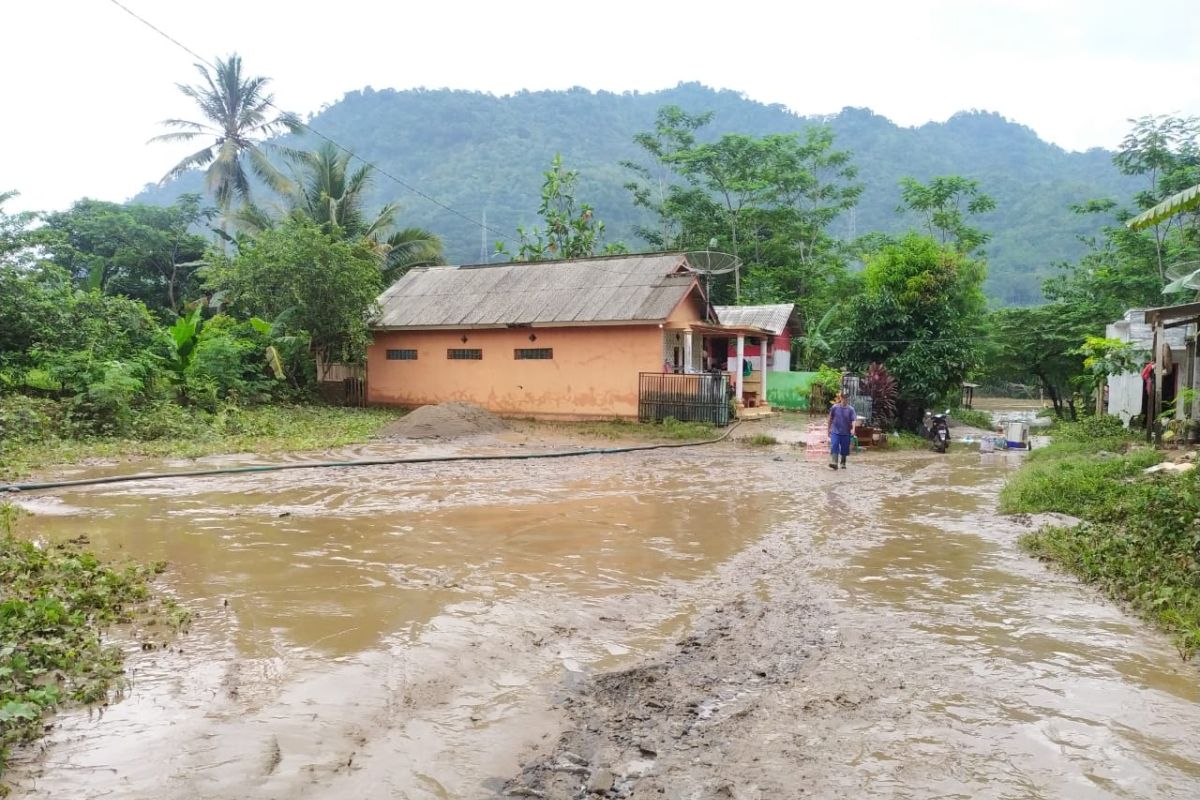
pixel 369 462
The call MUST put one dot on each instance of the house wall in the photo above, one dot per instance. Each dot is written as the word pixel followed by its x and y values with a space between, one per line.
pixel 781 346
pixel 593 372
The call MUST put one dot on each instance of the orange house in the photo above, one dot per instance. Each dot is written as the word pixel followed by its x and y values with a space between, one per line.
pixel 549 339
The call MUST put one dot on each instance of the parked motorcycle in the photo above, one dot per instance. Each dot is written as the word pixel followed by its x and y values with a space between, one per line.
pixel 939 431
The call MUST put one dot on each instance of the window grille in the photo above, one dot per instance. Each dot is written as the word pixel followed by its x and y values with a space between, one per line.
pixel 464 354
pixel 401 355
pixel 533 353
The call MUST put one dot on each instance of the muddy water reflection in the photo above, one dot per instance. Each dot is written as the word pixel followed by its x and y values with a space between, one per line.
pixel 384 632
pixel 1079 699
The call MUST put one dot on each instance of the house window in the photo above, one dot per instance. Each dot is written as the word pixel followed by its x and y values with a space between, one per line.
pixel 465 354
pixel 533 353
pixel 401 355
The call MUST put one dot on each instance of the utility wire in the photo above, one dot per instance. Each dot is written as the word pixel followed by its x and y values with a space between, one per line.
pixel 311 129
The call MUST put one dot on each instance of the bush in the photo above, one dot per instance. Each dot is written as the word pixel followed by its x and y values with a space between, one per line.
pixel 27 419
pixel 976 419
pixel 1141 545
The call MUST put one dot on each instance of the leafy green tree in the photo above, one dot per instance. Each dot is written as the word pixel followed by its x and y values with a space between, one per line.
pixel 238 114
pixel 920 315
pixel 944 204
pixel 1105 357
pixel 571 228
pixel 1165 152
pixel 14 232
pixel 317 280
pixel 327 192
pixel 1039 344
pixel 767 200
pixel 149 253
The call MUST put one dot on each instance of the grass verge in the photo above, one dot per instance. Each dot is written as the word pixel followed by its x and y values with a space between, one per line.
pixel 55 602
pixel 761 440
pixel 1140 536
pixel 622 429
pixel 261 429
pixel 973 418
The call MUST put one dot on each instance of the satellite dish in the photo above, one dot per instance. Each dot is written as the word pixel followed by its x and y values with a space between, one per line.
pixel 712 262
pixel 1185 275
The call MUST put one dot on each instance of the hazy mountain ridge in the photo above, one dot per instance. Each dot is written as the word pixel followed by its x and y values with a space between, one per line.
pixel 480 153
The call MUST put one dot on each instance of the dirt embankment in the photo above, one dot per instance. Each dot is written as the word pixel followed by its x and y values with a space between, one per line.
pixel 444 421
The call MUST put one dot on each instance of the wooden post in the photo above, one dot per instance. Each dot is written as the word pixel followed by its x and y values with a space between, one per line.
pixel 741 355
pixel 1156 390
pixel 764 350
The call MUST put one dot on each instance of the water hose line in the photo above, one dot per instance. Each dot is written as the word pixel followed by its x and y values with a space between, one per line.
pixel 367 462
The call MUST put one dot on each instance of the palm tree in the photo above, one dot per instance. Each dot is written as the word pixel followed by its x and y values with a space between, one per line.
pixel 239 114
pixel 324 190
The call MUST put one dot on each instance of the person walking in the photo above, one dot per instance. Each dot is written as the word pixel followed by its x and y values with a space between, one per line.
pixel 841 428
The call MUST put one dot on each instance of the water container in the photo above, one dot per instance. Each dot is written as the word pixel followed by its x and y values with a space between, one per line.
pixel 1016 434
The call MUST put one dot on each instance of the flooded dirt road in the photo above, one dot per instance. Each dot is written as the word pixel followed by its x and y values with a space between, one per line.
pixel 718 622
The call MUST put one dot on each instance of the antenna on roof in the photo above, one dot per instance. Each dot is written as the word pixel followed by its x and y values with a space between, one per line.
pixel 712 262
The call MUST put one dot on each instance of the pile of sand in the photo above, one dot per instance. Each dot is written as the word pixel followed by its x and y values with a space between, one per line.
pixel 445 421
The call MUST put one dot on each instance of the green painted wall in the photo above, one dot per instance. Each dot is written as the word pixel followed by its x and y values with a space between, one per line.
pixel 789 389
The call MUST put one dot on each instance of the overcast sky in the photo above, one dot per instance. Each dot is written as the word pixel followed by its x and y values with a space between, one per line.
pixel 84 84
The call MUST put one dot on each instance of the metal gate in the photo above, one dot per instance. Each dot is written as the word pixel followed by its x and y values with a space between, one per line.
pixel 702 397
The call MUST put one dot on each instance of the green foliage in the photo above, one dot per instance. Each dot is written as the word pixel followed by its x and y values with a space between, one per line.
pixel 571 229
pixel 943 205
pixel 815 345
pixel 323 283
pixel 1040 344
pixel 920 315
pixel 165 428
pixel 54 603
pixel 1140 537
pixel 761 440
pixel 144 252
pixel 976 419
pixel 237 115
pixel 767 200
pixel 669 429
pixel 830 380
pixel 1079 472
pixel 325 192
pixel 1105 357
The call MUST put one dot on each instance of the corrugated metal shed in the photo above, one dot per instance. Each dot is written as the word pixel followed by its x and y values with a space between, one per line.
pixel 628 288
pixel 769 318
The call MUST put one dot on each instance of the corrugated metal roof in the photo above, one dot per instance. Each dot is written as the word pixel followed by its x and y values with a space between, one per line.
pixel 629 288
pixel 769 318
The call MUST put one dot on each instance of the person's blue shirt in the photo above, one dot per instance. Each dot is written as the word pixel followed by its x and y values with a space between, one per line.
pixel 841 420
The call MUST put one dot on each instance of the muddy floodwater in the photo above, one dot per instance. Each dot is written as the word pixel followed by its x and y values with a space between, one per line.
pixel 724 621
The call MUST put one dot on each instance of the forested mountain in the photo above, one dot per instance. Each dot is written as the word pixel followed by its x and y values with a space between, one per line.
pixel 480 154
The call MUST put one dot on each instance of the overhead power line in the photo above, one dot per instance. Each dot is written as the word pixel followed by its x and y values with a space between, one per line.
pixel 311 129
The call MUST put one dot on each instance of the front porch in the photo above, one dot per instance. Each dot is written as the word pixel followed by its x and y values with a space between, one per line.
pixel 702 350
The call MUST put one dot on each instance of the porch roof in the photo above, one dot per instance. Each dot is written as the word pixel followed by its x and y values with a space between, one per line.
pixel 729 330
pixel 1173 316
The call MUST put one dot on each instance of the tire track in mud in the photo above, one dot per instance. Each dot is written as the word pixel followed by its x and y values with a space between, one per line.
pixel 799 679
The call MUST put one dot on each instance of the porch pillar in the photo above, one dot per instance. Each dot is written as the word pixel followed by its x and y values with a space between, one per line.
pixel 1156 392
pixel 768 342
pixel 741 354
pixel 687 350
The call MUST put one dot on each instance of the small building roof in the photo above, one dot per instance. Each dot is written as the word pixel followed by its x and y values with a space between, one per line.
pixel 773 318
pixel 612 289
pixel 1134 329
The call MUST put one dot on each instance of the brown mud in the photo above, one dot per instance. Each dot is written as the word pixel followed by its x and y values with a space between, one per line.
pixel 444 421
pixel 717 622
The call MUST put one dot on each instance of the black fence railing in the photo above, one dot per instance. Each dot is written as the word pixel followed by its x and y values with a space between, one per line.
pixel 688 398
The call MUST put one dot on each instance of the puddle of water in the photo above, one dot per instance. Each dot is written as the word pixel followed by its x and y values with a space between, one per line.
pixel 373 627
pixel 1081 699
